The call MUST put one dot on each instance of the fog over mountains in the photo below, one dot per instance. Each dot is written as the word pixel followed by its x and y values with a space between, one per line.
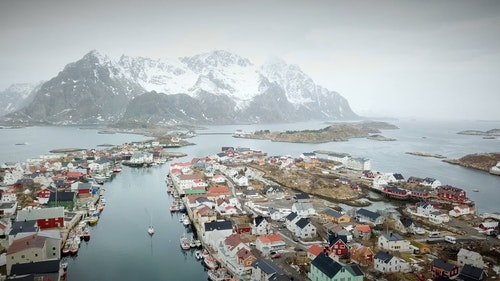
pixel 218 87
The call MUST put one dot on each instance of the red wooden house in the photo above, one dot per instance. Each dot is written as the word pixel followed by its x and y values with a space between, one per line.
pixel 444 269
pixel 45 217
pixel 338 246
pixel 452 193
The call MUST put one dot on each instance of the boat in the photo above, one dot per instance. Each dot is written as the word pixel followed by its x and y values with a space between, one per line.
pixel 220 274
pixel 210 262
pixel 173 208
pixel 197 242
pixel 186 222
pixel 495 170
pixel 86 234
pixel 151 229
pixel 475 190
pixel 185 242
pixel 92 220
pixel 65 250
pixel 192 244
pixel 197 255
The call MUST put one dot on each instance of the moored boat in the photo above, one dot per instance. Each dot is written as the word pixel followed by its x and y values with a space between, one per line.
pixel 219 274
pixel 185 242
pixel 197 255
pixel 210 262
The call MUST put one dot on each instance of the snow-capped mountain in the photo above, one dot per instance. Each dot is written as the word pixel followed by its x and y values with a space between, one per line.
pixel 218 87
pixel 16 96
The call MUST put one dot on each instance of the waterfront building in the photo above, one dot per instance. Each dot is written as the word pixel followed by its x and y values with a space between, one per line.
pixel 34 247
pixel 44 217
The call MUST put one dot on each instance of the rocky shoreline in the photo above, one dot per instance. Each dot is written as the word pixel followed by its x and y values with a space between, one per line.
pixel 332 133
pixel 478 161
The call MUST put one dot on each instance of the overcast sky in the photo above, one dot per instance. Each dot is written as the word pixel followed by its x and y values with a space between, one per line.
pixel 407 59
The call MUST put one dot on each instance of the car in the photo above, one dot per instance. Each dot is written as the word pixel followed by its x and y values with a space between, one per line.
pixel 274 255
pixel 420 276
pixel 297 249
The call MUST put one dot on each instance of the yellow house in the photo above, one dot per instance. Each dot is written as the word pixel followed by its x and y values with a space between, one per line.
pixel 334 216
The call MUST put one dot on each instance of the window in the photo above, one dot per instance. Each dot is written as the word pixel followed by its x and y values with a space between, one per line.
pixel 22 256
pixel 36 255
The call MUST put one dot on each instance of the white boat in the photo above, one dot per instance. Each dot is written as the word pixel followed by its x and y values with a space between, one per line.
pixel 186 222
pixel 151 229
pixel 495 170
pixel 197 255
pixel 185 242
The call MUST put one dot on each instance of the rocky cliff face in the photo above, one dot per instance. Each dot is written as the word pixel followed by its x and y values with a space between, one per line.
pixel 212 88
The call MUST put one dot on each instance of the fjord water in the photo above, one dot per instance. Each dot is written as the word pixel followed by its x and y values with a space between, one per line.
pixel 121 249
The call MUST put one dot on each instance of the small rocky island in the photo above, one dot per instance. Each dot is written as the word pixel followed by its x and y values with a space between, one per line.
pixel 489 133
pixel 426 154
pixel 332 133
pixel 479 161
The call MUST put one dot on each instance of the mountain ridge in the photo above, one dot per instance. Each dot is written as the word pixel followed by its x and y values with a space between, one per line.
pixel 223 87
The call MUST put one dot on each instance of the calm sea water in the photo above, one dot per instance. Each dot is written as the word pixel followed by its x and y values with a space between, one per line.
pixel 121 249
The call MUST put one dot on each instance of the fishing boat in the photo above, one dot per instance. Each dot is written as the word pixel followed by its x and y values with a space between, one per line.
pixel 185 242
pixel 210 262
pixel 86 234
pixel 219 274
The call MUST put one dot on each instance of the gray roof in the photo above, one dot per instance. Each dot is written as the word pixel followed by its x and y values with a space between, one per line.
pixel 48 266
pixel 392 236
pixel 301 223
pixel 383 256
pixel 332 213
pixel 442 264
pixel 367 213
pixel 471 273
pixel 44 213
pixel 267 266
pixel 218 225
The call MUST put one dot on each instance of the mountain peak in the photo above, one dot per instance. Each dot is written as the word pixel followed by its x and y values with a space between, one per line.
pixel 96 57
pixel 204 62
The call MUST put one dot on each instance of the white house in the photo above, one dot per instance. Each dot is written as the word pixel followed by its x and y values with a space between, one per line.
pixel 461 210
pixel 304 229
pixel 424 209
pixel 8 197
pixel 437 217
pixel 465 256
pixel 269 243
pixel 431 182
pixel 217 178
pixel 379 182
pixel 359 164
pixel 260 226
pixel 394 242
pixel 240 180
pixel 385 262
pixel 304 209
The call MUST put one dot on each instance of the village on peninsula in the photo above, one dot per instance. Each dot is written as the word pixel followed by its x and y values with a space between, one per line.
pixel 258 216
